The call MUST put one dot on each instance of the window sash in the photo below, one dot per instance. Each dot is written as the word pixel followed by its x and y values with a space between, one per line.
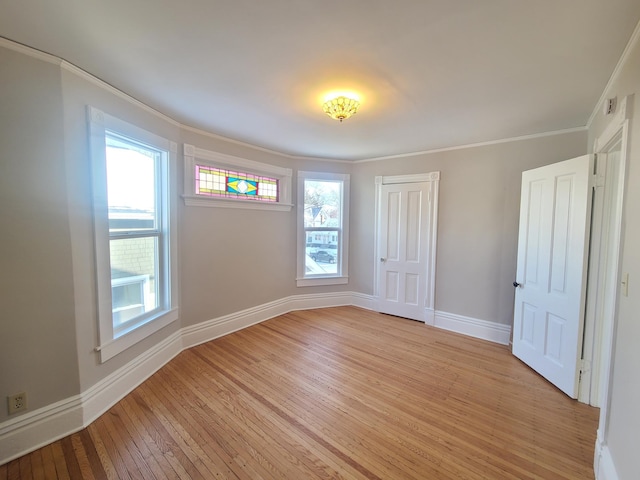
pixel 113 339
pixel 157 276
pixel 308 273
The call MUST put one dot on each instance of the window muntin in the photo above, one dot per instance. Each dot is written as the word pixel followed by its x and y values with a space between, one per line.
pixel 219 182
pixel 323 213
pixel 133 173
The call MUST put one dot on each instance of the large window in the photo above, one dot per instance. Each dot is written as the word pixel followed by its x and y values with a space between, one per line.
pixel 135 238
pixel 323 210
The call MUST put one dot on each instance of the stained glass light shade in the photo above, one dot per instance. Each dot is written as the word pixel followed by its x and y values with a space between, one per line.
pixel 341 107
pixel 218 182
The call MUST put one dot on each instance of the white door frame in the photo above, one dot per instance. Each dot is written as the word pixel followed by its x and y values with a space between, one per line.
pixel 602 337
pixel 434 179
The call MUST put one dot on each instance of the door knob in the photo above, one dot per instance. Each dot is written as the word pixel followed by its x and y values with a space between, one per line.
pixel 383 259
pixel 516 284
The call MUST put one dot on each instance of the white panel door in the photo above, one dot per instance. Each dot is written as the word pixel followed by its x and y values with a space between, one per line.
pixel 403 247
pixel 555 211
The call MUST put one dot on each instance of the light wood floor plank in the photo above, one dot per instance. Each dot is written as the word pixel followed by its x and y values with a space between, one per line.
pixel 336 393
pixel 62 471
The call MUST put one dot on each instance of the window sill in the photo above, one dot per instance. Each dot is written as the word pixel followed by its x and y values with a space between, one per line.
pixel 112 348
pixel 197 201
pixel 318 281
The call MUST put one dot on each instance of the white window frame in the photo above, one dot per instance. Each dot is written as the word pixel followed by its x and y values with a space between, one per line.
pixel 342 261
pixel 110 343
pixel 198 156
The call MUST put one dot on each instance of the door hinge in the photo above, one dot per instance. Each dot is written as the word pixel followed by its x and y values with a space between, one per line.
pixel 585 367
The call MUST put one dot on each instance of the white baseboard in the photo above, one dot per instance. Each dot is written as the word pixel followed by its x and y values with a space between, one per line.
pixel 28 432
pixel 107 392
pixel 33 430
pixel 36 429
pixel 603 464
pixel 218 327
pixel 39 428
pixel 473 327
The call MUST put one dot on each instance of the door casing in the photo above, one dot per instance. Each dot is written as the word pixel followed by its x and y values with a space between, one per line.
pixel 434 180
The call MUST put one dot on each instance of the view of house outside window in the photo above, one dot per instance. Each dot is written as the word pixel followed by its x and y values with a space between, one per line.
pixel 134 228
pixel 322 225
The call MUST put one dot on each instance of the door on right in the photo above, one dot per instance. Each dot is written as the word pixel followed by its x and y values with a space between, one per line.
pixel 553 241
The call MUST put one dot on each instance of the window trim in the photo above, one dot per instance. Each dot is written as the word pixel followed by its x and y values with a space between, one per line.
pixel 342 277
pixel 109 344
pixel 198 156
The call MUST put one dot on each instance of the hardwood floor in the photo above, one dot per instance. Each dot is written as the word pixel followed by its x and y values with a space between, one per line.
pixel 333 393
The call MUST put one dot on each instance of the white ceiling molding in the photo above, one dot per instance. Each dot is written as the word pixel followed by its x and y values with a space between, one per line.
pixel 432 76
pixel 475 145
pixel 635 37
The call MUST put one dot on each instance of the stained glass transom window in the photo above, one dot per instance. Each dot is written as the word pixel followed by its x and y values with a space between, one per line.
pixel 217 182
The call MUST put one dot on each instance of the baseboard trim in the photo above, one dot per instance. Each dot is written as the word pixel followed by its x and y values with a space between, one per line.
pixel 218 327
pixel 33 430
pixel 36 429
pixel 603 465
pixel 103 395
pixel 473 327
pixel 39 428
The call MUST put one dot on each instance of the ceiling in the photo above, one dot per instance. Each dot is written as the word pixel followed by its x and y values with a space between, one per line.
pixel 431 73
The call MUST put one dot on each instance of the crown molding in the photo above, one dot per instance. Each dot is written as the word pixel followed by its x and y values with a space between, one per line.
pixel 74 69
pixel 475 145
pixel 626 53
pixel 71 68
pixel 29 51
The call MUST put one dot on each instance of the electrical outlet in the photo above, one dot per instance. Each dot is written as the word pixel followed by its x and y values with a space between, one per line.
pixel 17 402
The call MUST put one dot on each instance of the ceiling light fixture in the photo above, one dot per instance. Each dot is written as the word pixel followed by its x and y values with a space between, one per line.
pixel 341 107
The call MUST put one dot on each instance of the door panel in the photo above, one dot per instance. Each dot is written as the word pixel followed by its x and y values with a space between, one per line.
pixel 392 287
pixel 552 254
pixel 412 287
pixel 414 220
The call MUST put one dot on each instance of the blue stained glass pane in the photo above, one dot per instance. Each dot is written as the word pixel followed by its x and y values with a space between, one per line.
pixel 242 186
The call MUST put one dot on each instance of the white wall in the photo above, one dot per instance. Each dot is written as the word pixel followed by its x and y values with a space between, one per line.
pixel 234 259
pixel 37 329
pixel 479 205
pixel 622 438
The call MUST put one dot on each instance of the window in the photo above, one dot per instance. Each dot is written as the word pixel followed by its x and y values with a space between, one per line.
pixel 216 180
pixel 134 232
pixel 323 219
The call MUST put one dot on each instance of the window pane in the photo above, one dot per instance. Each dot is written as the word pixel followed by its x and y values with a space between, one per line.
pixel 217 182
pixel 131 185
pixel 322 203
pixel 134 278
pixel 321 252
